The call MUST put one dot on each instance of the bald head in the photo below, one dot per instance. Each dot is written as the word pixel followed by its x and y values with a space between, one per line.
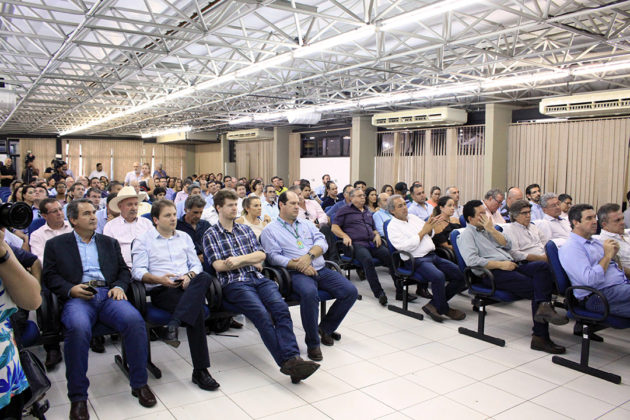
pixel 514 194
pixel 382 200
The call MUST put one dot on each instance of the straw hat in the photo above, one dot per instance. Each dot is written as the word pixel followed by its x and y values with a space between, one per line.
pixel 125 193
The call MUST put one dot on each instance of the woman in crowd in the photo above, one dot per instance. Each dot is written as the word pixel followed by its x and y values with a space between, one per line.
pixel 252 210
pixel 16 190
pixel 145 181
pixel 331 195
pixel 446 223
pixel 256 187
pixel 50 186
pixel 179 185
pixel 104 182
pixel 434 196
pixel 60 192
pixel 371 199
pixel 388 189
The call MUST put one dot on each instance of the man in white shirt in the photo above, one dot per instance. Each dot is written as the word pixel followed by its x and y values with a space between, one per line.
pixel 528 244
pixel 128 226
pixel 453 192
pixel 611 220
pixel 552 225
pixel 409 233
pixel 133 175
pixel 99 172
pixel 419 206
pixel 55 225
pixel 491 203
pixel 270 204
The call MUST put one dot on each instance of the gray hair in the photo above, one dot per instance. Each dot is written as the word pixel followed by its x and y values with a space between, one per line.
pixel 605 210
pixel 390 201
pixel 194 201
pixel 354 191
pixel 493 193
pixel 190 187
pixel 544 200
pixel 72 211
pixel 516 207
pixel 295 189
pixel 448 190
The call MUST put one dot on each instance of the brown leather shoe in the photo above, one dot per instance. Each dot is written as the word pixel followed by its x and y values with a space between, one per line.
pixel 145 396
pixel 432 312
pixel 298 369
pixel 79 411
pixel 455 314
pixel 546 345
pixel 326 339
pixel 315 354
pixel 546 312
pixel 53 358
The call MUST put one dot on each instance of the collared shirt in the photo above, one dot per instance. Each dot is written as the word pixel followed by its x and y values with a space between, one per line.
pixel 132 176
pixel 125 232
pixel 101 220
pixel 626 218
pixel 580 259
pixel 505 213
pixel 332 210
pixel 44 233
pixel 537 211
pixel 525 240
pixel 328 202
pixel 89 259
pixel 196 234
pixel 357 224
pixel 180 209
pixel 181 196
pixel 478 247
pixel 403 236
pixel 155 254
pixel 622 240
pixel 313 212
pixel 209 200
pixel 496 217
pixel 554 229
pixel 283 241
pixel 219 244
pixel 270 210
pixel 97 174
pixel 210 215
pixel 170 194
pixel 422 212
pixel 380 217
pixel 320 190
pixel 161 173
pixel 459 211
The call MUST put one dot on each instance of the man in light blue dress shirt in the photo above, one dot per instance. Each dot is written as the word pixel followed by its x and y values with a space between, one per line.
pixel 381 216
pixel 419 206
pixel 270 205
pixel 533 194
pixel 298 245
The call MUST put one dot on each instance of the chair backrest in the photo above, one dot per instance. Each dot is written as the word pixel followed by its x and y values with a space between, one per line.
pixel 460 260
pixel 462 220
pixel 147 216
pixel 562 280
pixel 391 247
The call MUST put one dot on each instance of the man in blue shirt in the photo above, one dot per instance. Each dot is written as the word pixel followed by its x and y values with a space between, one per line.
pixel 381 216
pixel 298 245
pixel 270 205
pixel 419 206
pixel 233 251
pixel 332 210
pixel 589 262
pixel 533 194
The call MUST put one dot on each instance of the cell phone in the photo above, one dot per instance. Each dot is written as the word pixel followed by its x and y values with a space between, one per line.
pixel 178 281
pixel 91 289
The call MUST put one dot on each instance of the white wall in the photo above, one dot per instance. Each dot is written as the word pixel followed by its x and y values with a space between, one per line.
pixel 314 168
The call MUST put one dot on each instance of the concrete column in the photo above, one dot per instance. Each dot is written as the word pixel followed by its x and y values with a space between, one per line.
pixel 281 153
pixel 498 119
pixel 362 149
pixel 226 167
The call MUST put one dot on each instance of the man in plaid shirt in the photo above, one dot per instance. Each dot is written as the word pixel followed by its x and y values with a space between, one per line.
pixel 236 255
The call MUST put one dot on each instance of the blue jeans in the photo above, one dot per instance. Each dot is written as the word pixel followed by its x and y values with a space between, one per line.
pixel 437 270
pixel 306 288
pixel 78 318
pixel 261 302
pixel 618 297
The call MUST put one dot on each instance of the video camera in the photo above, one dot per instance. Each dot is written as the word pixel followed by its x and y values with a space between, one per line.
pixel 16 215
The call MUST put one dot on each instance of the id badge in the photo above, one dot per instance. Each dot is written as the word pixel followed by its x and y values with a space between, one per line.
pixel 300 244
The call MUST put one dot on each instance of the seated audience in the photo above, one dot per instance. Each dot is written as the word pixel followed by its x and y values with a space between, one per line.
pixel 371 200
pixel 192 224
pixel 252 215
pixel 133 175
pixel 388 189
pixel 299 246
pixel 419 206
pixel 590 262
pixel 552 225
pixel 491 203
pixel 401 189
pixel 308 208
pixel 159 193
pixel 93 291
pixel 192 189
pixel 407 232
pixel 234 252
pixel 528 244
pixel 360 184
pixel 28 197
pixel 166 260
pixel 76 191
pixel 481 245
pixel 332 210
pixel 105 214
pixel 94 195
pixel 566 201
pixel 611 220
pixel 453 192
pixel 55 225
pixel 270 205
pixel 434 196
pixel 513 195
pixel 278 184
pixel 321 190
pixel 241 192
pixel 182 195
pixel 444 222
pixel 383 215
pixel 533 193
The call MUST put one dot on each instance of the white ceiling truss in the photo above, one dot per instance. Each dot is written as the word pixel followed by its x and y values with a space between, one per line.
pixel 124 67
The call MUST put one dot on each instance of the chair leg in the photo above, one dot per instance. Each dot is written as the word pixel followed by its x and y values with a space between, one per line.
pixel 121 361
pixel 155 371
pixel 481 322
pixel 405 305
pixel 322 310
pixel 583 365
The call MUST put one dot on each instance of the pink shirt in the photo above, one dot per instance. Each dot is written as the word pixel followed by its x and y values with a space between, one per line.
pixel 314 211
pixel 125 232
pixel 496 217
pixel 44 233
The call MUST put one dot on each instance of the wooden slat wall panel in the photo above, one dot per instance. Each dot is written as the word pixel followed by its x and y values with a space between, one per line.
pixel 44 150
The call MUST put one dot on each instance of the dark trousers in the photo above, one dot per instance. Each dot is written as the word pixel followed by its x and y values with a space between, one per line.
pixel 13 410
pixel 187 307
pixel 260 301
pixel 79 316
pixel 365 254
pixel 437 271
pixel 306 288
pixel 532 280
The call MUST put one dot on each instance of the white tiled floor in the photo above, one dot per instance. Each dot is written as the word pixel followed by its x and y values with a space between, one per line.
pixel 386 366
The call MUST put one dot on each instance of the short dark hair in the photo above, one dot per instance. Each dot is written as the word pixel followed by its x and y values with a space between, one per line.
pixel 194 201
pixel 156 207
pixel 112 184
pixel 564 196
pixel 517 206
pixel 530 187
pixel 414 187
pixel 401 186
pixel 75 185
pixel 275 177
pixel 357 183
pixel 267 188
pixel 605 210
pixel 575 213
pixel 222 195
pixel 255 184
pixel 346 188
pixel 159 190
pixel 42 204
pixel 110 197
pixel 72 211
pixel 469 209
pixel 91 190
pixel 329 183
pixel 304 183
pixel 324 176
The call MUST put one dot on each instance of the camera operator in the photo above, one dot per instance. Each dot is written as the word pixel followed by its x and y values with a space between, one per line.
pixel 60 173
pixel 30 172
pixel 7 173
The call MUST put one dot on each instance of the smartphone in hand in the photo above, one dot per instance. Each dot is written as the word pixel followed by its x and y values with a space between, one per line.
pixel 91 289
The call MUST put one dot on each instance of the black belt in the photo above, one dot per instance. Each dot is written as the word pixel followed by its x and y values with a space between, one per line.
pixel 96 283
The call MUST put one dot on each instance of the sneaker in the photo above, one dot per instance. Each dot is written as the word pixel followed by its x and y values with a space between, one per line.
pixel 546 313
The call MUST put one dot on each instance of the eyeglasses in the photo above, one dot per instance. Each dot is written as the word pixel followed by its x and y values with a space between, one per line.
pixel 526 212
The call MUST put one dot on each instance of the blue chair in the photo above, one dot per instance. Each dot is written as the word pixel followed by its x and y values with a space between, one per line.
pixel 35 224
pixel 589 321
pixel 462 220
pixel 347 260
pixel 147 216
pixel 5 194
pixel 407 274
pixel 482 295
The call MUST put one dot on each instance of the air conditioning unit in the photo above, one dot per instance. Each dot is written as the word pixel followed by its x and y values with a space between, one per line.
pixel 593 104
pixel 424 117
pixel 253 134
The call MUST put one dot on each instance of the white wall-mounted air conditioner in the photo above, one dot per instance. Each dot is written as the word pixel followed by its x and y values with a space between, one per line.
pixel 252 134
pixel 424 117
pixel 593 104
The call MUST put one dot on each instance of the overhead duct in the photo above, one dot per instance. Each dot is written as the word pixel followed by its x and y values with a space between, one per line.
pixel 424 117
pixel 189 137
pixel 303 117
pixel 593 104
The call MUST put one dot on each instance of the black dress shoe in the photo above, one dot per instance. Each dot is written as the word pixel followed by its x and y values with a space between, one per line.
pixel 79 411
pixel 335 335
pixel 315 354
pixel 235 324
pixel 203 380
pixel 53 358
pixel 169 336
pixel 424 292
pixel 546 345
pixel 326 339
pixel 98 344
pixel 298 369
pixel 410 297
pixel 382 299
pixel 145 396
pixel 361 274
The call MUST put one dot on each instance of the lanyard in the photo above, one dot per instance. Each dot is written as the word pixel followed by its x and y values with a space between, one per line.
pixel 296 235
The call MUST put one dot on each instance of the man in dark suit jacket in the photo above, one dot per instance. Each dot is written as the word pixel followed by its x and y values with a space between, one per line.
pixel 87 272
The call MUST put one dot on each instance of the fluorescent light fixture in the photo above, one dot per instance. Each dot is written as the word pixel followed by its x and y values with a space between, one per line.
pixel 167 131
pixel 601 68
pixel 524 79
pixel 335 41
pixel 425 12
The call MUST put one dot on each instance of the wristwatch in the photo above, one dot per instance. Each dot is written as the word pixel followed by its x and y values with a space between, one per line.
pixel 309 253
pixel 6 257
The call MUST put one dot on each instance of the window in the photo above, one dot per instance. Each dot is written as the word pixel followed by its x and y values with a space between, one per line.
pixel 325 144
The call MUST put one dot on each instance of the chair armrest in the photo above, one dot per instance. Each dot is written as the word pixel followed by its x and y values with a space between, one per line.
pixel 333 266
pixel 281 276
pixel 572 302
pixel 49 317
pixel 346 250
pixel 137 295
pixel 446 253
pixel 470 276
pixel 397 262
